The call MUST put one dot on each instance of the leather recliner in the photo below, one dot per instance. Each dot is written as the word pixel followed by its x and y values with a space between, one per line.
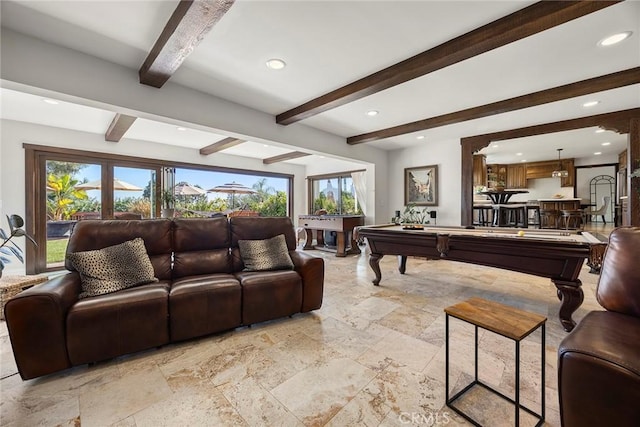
pixel 599 361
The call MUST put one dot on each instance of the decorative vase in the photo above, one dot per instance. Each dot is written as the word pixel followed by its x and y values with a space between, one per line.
pixel 499 188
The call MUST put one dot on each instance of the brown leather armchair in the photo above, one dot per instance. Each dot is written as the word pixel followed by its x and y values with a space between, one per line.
pixel 599 361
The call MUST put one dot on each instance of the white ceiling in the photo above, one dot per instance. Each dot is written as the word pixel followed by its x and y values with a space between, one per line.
pixel 327 44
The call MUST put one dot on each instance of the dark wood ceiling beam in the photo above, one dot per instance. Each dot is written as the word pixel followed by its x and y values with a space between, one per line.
pixel 528 21
pixel 285 156
pixel 188 25
pixel 612 121
pixel 118 127
pixel 571 90
pixel 220 145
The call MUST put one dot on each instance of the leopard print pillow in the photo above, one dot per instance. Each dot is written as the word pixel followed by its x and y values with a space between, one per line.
pixel 269 254
pixel 113 268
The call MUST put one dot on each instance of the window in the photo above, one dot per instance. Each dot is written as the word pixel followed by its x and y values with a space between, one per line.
pixel 334 194
pixel 67 186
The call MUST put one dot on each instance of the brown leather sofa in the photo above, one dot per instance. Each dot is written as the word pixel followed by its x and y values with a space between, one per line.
pixel 202 289
pixel 599 361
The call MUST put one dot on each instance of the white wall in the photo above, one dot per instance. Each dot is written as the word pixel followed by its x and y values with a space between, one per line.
pixel 445 154
pixel 36 66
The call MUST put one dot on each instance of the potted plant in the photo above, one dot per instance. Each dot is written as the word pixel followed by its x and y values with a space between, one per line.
pixel 414 218
pixel 9 247
pixel 168 203
pixel 499 186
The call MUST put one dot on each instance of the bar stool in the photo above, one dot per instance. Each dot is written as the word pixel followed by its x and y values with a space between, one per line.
pixel 483 215
pixel 572 219
pixel 549 218
pixel 516 215
pixel 510 215
pixel 533 213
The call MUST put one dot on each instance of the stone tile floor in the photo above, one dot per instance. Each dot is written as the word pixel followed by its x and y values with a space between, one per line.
pixel 371 356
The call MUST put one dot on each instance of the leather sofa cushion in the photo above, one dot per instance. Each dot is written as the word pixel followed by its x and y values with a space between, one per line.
pixel 205 304
pixel 618 288
pixel 608 336
pixel 269 295
pixel 123 322
pixel 599 371
pixel 256 228
pixel 201 247
pixel 89 235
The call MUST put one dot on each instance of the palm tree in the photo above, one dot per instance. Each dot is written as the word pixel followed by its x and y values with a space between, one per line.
pixel 61 196
pixel 262 191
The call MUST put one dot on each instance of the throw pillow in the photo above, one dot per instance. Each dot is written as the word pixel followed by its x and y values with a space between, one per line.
pixel 113 268
pixel 269 254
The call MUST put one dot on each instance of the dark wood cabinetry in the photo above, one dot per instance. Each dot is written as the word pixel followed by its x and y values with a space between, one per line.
pixel 480 170
pixel 517 176
pixel 496 174
pixel 622 160
pixel 537 170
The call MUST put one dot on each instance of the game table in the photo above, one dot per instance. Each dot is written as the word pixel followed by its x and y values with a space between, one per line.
pixel 556 254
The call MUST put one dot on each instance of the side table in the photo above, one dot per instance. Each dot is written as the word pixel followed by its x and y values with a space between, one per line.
pixel 508 322
pixel 11 286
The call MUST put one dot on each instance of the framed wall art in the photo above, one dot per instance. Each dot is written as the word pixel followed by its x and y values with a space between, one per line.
pixel 421 186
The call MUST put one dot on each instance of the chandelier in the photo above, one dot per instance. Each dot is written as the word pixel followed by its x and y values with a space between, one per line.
pixel 559 173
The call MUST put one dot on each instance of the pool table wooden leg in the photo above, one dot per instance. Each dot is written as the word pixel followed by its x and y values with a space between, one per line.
pixel 571 295
pixel 374 262
pixel 402 263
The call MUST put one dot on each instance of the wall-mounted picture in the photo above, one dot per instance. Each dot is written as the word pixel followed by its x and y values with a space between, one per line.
pixel 421 185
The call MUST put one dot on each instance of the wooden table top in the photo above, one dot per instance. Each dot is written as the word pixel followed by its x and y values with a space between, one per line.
pixel 499 318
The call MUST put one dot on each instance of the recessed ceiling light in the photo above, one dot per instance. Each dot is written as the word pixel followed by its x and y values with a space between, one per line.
pixel 420 137
pixel 597 153
pixel 276 64
pixel 606 143
pixel 180 128
pixel 264 145
pixel 616 38
pixel 495 145
pixel 50 101
pixel 372 113
pixel 523 160
pixel 518 154
pixel 600 130
pixel 590 104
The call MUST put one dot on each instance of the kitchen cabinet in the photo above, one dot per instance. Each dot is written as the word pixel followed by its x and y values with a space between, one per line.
pixel 568 166
pixel 622 160
pixel 537 170
pixel 496 174
pixel 480 170
pixel 517 176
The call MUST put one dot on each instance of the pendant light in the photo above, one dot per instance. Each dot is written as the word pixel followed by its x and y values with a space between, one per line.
pixel 559 173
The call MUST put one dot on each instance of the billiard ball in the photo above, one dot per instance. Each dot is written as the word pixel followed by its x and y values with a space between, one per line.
pixel 520 233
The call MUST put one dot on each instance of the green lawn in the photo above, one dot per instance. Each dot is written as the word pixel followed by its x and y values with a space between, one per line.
pixel 55 250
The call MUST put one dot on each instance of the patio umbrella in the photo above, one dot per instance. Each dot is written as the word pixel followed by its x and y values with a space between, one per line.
pixel 186 189
pixel 233 189
pixel 117 185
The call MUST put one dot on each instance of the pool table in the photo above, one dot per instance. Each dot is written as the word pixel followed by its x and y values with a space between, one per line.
pixel 556 254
